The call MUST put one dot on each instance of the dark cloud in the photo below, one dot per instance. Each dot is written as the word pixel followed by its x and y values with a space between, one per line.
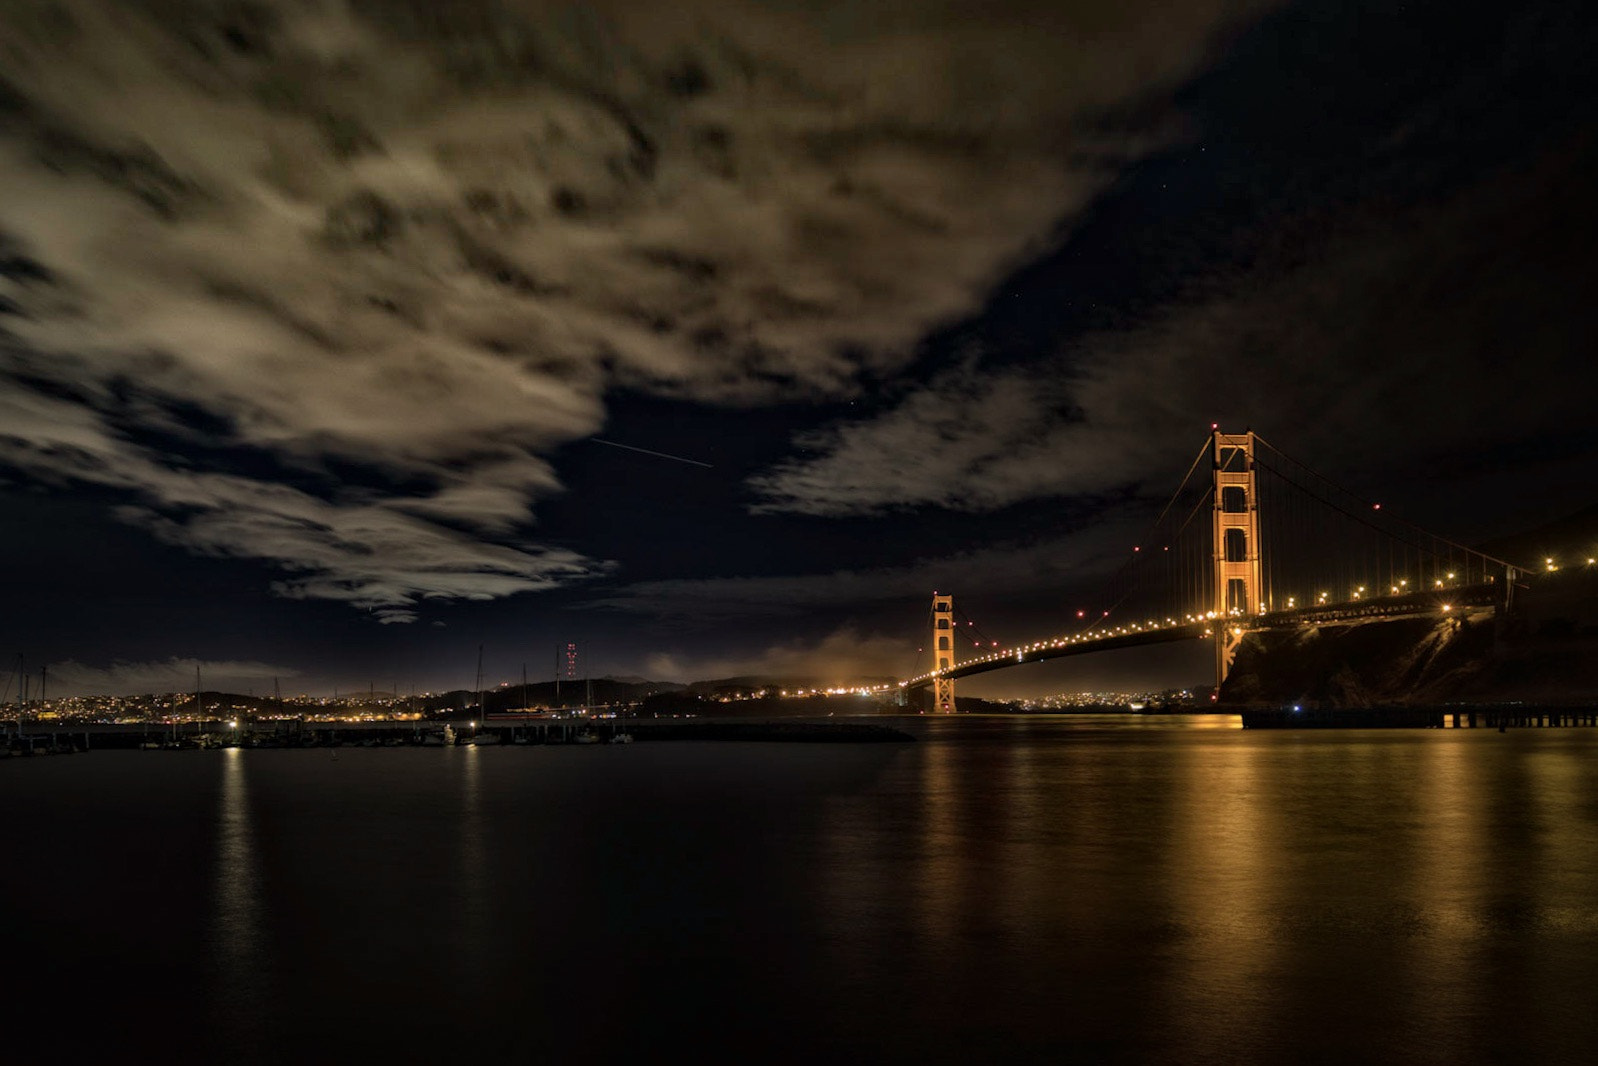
pixel 1436 333
pixel 999 569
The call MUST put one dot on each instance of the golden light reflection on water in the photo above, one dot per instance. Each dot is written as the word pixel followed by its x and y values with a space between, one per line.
pixel 1233 894
pixel 1223 882
pixel 236 933
pixel 1024 874
pixel 1449 867
pixel 940 860
pixel 1449 887
pixel 1560 782
pixel 236 921
pixel 472 907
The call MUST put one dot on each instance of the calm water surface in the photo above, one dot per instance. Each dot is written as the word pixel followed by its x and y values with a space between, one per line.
pixel 1012 890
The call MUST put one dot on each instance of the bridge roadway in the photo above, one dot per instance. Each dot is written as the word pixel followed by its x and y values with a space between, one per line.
pixel 1458 600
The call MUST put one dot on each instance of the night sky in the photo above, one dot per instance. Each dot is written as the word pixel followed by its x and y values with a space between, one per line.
pixel 316 315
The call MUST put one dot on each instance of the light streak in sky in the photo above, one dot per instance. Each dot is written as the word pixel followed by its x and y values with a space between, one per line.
pixel 646 451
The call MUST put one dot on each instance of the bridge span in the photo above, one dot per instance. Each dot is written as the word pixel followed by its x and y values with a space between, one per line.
pixel 1462 603
pixel 1284 548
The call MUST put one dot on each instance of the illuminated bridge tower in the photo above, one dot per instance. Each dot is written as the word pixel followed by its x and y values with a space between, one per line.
pixel 1236 545
pixel 942 653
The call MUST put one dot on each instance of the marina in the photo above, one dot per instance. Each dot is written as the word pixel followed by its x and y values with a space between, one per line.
pixel 199 736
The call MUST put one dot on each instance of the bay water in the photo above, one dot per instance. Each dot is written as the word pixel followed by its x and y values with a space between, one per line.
pixel 1109 889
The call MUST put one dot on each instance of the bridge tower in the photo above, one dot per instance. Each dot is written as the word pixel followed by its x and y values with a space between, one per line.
pixel 1236 545
pixel 942 653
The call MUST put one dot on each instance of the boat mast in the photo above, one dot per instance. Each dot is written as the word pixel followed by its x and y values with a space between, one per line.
pixel 7 692
pixel 479 682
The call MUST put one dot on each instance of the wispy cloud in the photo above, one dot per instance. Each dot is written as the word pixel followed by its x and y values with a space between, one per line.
pixel 169 675
pixel 841 656
pixel 425 239
pixel 374 555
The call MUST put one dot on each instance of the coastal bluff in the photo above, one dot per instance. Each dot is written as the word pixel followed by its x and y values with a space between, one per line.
pixel 1543 650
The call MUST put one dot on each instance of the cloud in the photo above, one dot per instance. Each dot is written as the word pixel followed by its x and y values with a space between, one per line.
pixel 967 441
pixel 373 555
pixel 841 656
pixel 423 241
pixel 1379 334
pixel 170 675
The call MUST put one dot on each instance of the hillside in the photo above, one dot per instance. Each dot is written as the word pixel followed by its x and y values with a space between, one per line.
pixel 1547 651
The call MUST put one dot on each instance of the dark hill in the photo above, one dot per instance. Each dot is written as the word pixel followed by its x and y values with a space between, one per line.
pixel 1545 651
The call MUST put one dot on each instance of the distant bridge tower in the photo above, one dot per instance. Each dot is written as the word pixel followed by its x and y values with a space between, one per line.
pixel 1236 545
pixel 942 653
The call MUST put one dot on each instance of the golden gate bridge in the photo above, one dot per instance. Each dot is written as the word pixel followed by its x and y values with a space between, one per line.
pixel 1251 540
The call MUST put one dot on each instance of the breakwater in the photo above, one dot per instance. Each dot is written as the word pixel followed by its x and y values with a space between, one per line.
pixel 1487 716
pixel 78 738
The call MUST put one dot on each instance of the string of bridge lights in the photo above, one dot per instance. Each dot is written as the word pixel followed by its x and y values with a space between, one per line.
pixel 1323 599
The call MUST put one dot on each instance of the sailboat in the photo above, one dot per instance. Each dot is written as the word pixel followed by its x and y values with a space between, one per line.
pixel 481 737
